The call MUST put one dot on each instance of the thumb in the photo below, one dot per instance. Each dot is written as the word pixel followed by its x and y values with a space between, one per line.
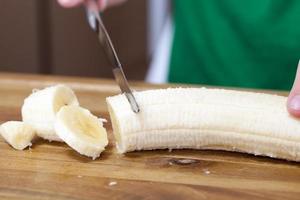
pixel 293 103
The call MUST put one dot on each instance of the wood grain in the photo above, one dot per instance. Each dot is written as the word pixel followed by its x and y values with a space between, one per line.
pixel 55 171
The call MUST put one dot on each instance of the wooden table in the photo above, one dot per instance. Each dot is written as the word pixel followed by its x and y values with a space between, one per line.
pixel 55 171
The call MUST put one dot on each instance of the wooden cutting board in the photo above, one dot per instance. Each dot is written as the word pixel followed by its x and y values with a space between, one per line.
pixel 55 171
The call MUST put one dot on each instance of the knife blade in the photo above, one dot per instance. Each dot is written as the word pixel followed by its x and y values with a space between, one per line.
pixel 96 23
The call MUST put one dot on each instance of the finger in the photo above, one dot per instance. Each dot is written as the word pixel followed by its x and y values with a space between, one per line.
pixel 70 3
pixel 102 4
pixel 293 104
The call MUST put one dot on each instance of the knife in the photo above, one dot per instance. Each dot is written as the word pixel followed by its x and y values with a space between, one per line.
pixel 96 23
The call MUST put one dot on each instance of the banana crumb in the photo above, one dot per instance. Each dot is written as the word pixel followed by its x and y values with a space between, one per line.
pixel 206 171
pixel 186 161
pixel 102 120
pixel 112 183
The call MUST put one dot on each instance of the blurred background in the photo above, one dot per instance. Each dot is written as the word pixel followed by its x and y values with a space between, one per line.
pixel 38 36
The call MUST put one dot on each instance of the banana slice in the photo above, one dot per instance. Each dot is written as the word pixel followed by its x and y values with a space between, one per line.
pixel 40 108
pixel 17 134
pixel 81 130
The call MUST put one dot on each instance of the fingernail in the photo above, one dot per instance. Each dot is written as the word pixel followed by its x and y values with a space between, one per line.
pixel 295 102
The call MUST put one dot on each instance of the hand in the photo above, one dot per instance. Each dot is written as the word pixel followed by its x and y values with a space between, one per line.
pixel 293 104
pixel 101 3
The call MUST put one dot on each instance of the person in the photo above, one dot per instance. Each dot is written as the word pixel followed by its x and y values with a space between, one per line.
pixel 237 43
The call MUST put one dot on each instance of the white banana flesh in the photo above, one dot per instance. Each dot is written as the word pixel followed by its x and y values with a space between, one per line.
pixel 18 134
pixel 40 108
pixel 81 130
pixel 200 118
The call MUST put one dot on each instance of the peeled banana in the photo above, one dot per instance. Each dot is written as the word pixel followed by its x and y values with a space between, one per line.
pixel 200 118
pixel 40 108
pixel 18 134
pixel 81 130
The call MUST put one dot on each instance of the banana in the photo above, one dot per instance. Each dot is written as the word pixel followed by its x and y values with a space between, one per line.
pixel 81 130
pixel 18 134
pixel 40 108
pixel 200 118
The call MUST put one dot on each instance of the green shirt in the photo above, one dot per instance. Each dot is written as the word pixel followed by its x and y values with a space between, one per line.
pixel 253 43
